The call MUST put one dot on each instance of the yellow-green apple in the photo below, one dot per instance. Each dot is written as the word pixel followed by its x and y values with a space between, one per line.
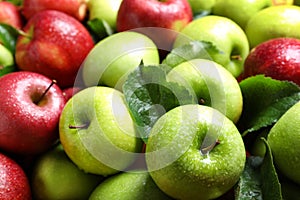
pixel 195 152
pixel 106 10
pixel 14 183
pixel 97 131
pixel 30 106
pixel 224 34
pixel 283 139
pixel 10 14
pixel 168 14
pixel 127 186
pixel 6 60
pixel 201 6
pixel 110 68
pixel 55 44
pixel 278 58
pixel 212 84
pixel 75 8
pixel 55 176
pixel 240 11
pixel 273 22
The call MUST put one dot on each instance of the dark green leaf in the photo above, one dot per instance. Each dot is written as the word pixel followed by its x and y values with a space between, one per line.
pixel 8 37
pixel 249 186
pixel 270 183
pixel 16 2
pixel 100 28
pixel 193 50
pixel 265 101
pixel 149 96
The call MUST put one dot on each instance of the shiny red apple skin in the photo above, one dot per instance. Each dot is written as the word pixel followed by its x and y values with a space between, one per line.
pixel 10 14
pixel 278 58
pixel 55 46
pixel 27 127
pixel 14 183
pixel 75 8
pixel 170 15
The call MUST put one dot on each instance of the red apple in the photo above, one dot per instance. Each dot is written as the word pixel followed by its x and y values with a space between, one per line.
pixel 75 8
pixel 278 58
pixel 55 45
pixel 14 183
pixel 30 107
pixel 69 92
pixel 169 15
pixel 9 14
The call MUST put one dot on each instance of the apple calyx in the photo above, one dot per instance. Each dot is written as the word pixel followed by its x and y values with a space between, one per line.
pixel 205 150
pixel 82 126
pixel 236 57
pixel 44 93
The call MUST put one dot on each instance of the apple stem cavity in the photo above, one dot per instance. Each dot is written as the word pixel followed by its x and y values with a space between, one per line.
pixel 206 150
pixel 237 57
pixel 45 92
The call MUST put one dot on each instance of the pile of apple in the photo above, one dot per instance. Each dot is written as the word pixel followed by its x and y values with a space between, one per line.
pixel 152 99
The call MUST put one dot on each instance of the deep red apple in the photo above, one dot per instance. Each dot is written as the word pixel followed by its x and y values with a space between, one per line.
pixel 55 45
pixel 278 58
pixel 75 8
pixel 14 183
pixel 30 111
pixel 9 14
pixel 69 92
pixel 169 15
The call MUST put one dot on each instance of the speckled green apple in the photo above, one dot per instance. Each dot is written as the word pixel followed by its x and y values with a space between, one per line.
pixel 273 22
pixel 106 10
pixel 240 11
pixel 284 138
pixel 212 84
pixel 201 6
pixel 97 131
pixel 224 34
pixel 114 57
pixel 179 164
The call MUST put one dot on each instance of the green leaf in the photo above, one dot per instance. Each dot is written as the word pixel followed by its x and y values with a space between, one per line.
pixel 16 2
pixel 193 50
pixel 149 95
pixel 265 101
pixel 249 185
pixel 100 28
pixel 270 183
pixel 7 69
pixel 8 37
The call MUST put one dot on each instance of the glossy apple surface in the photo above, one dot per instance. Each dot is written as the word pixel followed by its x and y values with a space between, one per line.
pixel 273 22
pixel 224 34
pixel 139 183
pixel 111 67
pixel 212 84
pixel 55 45
pixel 278 58
pixel 75 8
pixel 97 131
pixel 55 176
pixel 28 123
pixel 10 14
pixel 14 183
pixel 283 139
pixel 195 152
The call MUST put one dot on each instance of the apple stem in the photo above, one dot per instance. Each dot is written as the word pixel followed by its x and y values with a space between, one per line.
pixel 236 57
pixel 22 33
pixel 45 92
pixel 78 126
pixel 206 150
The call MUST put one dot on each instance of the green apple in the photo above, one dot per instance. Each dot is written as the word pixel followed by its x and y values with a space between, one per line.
pixel 212 84
pixel 240 11
pixel 127 186
pixel 273 22
pixel 195 152
pixel 106 10
pixel 224 34
pixel 114 57
pixel 201 6
pixel 55 176
pixel 284 139
pixel 6 59
pixel 97 131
